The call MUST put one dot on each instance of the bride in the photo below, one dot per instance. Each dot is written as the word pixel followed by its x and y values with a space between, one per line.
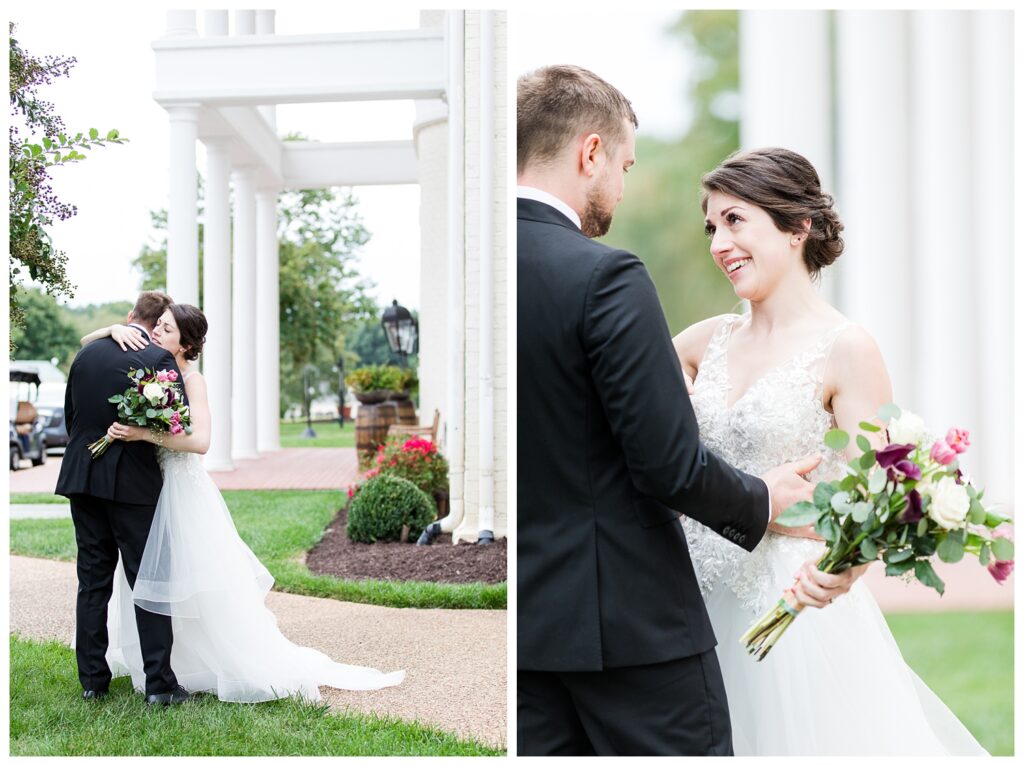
pixel 766 387
pixel 197 570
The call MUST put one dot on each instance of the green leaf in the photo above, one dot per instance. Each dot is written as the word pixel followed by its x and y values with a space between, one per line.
pixel 888 411
pixel 116 399
pixel 36 149
pixel 863 443
pixel 840 502
pixel 799 515
pixel 823 494
pixel 56 157
pixel 895 557
pixel 866 460
pixel 985 554
pixel 925 573
pixel 150 413
pixel 866 426
pixel 129 411
pixel 860 512
pixel 1002 549
pixel 903 534
pixel 993 519
pixel 877 481
pixel 837 439
pixel 894 570
pixel 93 133
pixel 977 513
pixel 850 482
pixel 826 527
pixel 112 135
pixel 950 549
pixel 922 527
pixel 47 143
pixel 868 549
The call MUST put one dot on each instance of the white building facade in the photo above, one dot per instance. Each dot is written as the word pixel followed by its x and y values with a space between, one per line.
pixel 220 88
pixel 908 117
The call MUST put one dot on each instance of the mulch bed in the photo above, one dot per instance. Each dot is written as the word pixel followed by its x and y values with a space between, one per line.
pixel 440 562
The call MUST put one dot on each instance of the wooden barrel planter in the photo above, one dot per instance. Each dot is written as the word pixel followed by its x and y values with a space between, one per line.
pixel 405 412
pixel 372 425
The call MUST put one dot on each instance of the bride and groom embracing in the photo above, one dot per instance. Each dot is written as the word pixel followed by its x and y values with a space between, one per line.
pixel 167 591
pixel 651 469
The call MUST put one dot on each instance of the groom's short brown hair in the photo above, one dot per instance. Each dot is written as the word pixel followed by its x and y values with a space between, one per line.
pixel 555 104
pixel 150 306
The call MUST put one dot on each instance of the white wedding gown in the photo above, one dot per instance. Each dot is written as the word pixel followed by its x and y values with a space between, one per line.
pixel 836 683
pixel 197 569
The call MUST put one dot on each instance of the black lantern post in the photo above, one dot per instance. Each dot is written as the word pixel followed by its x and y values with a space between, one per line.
pixel 401 329
pixel 340 369
pixel 308 390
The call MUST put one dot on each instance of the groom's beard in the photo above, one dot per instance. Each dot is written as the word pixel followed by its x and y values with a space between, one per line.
pixel 596 218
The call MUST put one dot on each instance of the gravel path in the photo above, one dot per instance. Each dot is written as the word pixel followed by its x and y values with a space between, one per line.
pixel 454 659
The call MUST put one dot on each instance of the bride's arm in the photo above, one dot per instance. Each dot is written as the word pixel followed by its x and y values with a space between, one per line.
pixel 199 411
pixel 126 337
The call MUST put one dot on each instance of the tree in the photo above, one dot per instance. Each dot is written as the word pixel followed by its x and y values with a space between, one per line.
pixel 33 204
pixel 46 332
pixel 321 294
pixel 661 219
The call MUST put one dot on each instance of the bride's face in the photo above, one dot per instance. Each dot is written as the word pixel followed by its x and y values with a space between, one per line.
pixel 166 334
pixel 745 244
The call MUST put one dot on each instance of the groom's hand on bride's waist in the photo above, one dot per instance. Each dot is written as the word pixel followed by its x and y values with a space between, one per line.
pixel 787 485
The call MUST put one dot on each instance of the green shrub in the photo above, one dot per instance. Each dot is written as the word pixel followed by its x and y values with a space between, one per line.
pixel 384 505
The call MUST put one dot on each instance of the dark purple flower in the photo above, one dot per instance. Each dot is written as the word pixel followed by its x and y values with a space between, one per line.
pixel 171 398
pixel 905 469
pixel 912 513
pixel 1000 570
pixel 889 456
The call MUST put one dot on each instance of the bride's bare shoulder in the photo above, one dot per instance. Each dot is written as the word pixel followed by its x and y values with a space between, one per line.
pixel 856 360
pixel 692 342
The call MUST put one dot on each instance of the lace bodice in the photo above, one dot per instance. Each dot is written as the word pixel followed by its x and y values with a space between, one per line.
pixel 778 419
pixel 187 463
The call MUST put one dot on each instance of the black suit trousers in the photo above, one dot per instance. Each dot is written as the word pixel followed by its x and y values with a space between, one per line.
pixel 102 528
pixel 670 708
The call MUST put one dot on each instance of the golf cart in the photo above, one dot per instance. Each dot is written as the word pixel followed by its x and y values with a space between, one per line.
pixel 27 437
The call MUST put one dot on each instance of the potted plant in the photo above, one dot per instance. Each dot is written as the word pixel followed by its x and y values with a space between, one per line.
pixel 370 384
pixel 405 383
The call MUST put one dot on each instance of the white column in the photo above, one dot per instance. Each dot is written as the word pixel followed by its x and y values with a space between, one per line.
pixel 182 223
pixel 991 109
pixel 244 310
pixel 454 438
pixel 181 24
pixel 215 23
pixel 245 22
pixel 217 302
pixel 874 184
pixel 945 246
pixel 265 26
pixel 268 385
pixel 786 84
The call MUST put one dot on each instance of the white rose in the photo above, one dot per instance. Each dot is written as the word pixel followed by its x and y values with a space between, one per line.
pixel 154 392
pixel 950 504
pixel 908 428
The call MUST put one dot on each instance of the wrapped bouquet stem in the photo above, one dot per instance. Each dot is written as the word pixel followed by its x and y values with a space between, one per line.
pixel 903 504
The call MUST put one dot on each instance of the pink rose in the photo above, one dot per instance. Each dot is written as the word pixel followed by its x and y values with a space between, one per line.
pixel 942 453
pixel 1000 570
pixel 172 375
pixel 958 440
pixel 162 376
pixel 176 428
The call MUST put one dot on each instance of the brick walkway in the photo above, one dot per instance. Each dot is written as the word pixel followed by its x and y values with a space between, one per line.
pixel 299 468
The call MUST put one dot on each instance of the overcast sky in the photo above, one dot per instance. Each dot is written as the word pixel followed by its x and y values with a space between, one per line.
pixel 117 186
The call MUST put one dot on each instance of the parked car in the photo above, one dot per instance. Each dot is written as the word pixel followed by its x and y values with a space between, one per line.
pixel 27 437
pixel 50 406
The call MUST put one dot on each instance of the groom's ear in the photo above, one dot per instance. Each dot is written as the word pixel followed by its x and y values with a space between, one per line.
pixel 590 148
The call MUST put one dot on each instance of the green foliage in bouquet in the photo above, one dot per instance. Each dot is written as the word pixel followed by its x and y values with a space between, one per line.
pixel 386 504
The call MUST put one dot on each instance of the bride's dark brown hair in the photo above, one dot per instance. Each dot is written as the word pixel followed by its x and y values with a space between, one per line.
pixel 191 328
pixel 786 186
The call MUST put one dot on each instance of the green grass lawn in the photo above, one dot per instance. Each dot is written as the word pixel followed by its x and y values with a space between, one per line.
pixel 37 498
pixel 328 434
pixel 966 658
pixel 49 718
pixel 280 526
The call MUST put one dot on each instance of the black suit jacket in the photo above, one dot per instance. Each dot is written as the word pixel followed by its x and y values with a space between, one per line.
pixel 127 472
pixel 608 457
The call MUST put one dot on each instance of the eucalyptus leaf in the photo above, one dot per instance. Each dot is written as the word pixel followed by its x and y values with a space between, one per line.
pixel 868 549
pixel 860 512
pixel 150 413
pixel 950 549
pixel 888 412
pixel 985 554
pixel 866 426
pixel 866 460
pixel 977 513
pixel 799 515
pixel 840 502
pixel 1002 549
pixel 850 482
pixel 993 519
pixel 892 570
pixel 826 528
pixel 823 494
pixel 894 557
pixel 837 439
pixel 925 573
pixel 877 481
pixel 863 443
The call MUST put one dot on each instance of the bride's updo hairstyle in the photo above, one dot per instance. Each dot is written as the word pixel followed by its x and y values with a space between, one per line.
pixel 191 328
pixel 786 186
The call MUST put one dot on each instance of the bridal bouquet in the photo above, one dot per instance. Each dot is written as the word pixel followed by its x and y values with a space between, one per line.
pixel 154 399
pixel 902 504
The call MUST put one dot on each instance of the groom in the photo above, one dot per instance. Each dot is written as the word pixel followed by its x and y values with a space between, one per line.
pixel 615 649
pixel 113 499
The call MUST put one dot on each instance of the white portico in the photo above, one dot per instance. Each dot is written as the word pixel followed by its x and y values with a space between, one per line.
pixel 221 88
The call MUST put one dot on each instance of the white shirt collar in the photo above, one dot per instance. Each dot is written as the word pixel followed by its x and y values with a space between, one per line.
pixel 539 195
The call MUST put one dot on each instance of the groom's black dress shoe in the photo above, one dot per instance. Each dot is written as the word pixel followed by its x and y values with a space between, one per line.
pixel 176 696
pixel 94 694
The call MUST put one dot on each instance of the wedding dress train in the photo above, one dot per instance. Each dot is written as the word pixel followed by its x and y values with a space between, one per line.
pixel 836 683
pixel 197 569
